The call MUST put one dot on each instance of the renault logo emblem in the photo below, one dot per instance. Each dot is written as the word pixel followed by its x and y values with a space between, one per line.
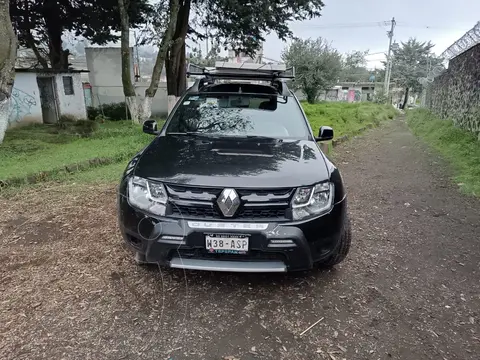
pixel 228 202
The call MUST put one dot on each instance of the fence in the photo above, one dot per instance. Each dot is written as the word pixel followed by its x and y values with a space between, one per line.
pixel 102 95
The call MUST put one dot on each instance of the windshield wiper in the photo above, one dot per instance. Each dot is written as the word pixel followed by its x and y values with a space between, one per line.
pixel 256 137
pixel 220 136
pixel 193 133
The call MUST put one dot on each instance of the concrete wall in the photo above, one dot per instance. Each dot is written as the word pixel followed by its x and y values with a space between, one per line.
pixel 71 104
pixel 105 78
pixel 105 74
pixel 338 94
pixel 25 104
pixel 456 93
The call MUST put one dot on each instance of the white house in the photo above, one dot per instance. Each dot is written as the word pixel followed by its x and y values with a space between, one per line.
pixel 42 95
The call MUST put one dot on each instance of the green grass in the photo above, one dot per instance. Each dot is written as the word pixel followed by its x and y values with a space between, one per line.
pixel 42 152
pixel 32 149
pixel 347 118
pixel 459 147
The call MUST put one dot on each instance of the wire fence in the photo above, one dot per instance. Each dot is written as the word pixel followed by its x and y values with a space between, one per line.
pixel 466 42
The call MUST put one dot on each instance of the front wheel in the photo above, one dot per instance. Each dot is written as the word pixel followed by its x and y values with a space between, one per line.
pixel 342 250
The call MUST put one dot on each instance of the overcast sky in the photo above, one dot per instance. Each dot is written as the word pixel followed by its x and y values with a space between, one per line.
pixel 359 25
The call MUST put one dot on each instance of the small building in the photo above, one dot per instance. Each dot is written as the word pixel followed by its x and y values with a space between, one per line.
pixel 43 95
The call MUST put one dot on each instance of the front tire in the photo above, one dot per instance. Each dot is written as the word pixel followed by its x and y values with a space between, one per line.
pixel 343 248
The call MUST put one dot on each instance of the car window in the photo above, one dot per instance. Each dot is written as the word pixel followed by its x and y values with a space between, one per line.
pixel 239 115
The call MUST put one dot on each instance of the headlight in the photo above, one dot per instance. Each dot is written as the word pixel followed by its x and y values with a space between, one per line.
pixel 147 195
pixel 312 201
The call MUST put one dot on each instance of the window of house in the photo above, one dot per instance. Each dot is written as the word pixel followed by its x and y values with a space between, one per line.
pixel 68 85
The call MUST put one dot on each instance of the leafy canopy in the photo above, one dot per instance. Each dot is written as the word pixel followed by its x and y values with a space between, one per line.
pixel 196 56
pixel 40 24
pixel 242 25
pixel 354 67
pixel 317 65
pixel 237 25
pixel 411 61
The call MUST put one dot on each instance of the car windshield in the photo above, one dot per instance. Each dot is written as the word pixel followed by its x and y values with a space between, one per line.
pixel 239 115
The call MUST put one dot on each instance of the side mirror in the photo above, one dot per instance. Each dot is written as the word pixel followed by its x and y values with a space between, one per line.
pixel 324 134
pixel 150 127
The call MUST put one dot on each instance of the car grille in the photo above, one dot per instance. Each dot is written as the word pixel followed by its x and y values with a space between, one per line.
pixel 256 204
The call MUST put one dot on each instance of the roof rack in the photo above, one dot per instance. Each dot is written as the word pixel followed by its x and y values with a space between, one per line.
pixel 276 74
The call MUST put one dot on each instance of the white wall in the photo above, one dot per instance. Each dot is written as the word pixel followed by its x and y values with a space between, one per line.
pixel 25 107
pixel 105 76
pixel 25 104
pixel 71 104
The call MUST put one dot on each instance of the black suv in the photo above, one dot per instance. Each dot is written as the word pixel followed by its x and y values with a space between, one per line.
pixel 235 181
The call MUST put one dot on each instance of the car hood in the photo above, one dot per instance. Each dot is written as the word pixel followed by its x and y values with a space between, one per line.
pixel 232 163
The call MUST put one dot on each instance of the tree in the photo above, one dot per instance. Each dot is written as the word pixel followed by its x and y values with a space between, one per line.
pixel 411 61
pixel 40 24
pixel 236 25
pixel 317 65
pixel 141 112
pixel 354 67
pixel 8 54
pixel 196 57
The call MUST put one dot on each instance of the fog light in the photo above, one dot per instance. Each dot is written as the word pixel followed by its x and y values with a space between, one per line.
pixel 171 239
pixel 281 243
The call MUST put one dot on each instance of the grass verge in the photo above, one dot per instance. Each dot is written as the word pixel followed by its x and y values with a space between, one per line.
pixel 347 118
pixel 41 153
pixel 35 152
pixel 459 147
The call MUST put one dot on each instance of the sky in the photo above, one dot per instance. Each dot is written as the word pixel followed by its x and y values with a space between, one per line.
pixel 363 24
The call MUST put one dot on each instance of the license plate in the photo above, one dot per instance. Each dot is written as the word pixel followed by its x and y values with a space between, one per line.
pixel 226 243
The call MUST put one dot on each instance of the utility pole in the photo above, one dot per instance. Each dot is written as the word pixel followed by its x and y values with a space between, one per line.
pixel 388 68
pixel 136 53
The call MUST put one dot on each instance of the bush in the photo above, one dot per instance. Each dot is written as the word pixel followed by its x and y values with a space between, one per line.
pixel 70 125
pixel 113 111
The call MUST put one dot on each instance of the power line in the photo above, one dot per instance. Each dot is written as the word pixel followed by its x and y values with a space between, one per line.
pixel 347 25
pixel 429 27
pixel 377 23
pixel 375 53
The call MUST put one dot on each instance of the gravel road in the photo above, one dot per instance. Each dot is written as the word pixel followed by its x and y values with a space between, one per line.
pixel 410 288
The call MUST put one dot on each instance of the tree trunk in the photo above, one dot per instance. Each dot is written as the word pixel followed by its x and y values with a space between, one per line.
pixel 128 89
pixel 31 44
pixel 405 99
pixel 165 44
pixel 175 62
pixel 51 15
pixel 8 54
pixel 31 41
pixel 311 95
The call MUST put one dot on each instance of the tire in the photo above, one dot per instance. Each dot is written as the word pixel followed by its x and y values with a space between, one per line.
pixel 344 247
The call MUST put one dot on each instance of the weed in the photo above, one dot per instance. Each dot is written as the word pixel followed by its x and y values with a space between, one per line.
pixel 347 118
pixel 459 147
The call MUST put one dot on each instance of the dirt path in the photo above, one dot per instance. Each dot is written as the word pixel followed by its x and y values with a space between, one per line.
pixel 409 290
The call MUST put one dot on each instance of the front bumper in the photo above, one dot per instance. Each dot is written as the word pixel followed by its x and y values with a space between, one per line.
pixel 180 243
